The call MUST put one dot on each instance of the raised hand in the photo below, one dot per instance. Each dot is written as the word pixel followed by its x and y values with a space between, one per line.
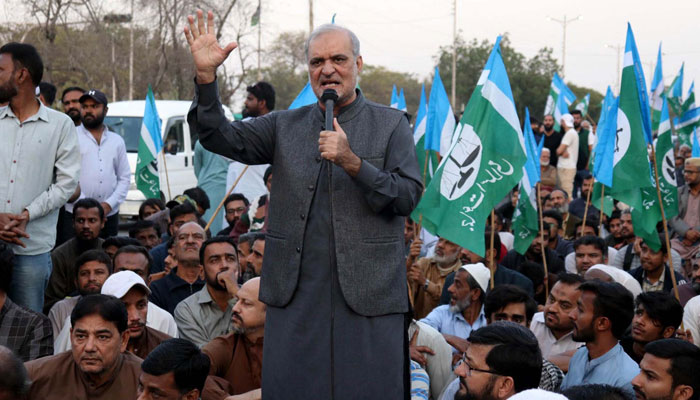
pixel 206 52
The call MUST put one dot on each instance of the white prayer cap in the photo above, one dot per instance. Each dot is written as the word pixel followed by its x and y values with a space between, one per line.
pixel 568 120
pixel 617 275
pixel 537 394
pixel 694 161
pixel 480 273
pixel 120 283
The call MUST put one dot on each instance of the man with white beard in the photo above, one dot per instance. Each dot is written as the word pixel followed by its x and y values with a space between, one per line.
pixel 465 312
pixel 427 275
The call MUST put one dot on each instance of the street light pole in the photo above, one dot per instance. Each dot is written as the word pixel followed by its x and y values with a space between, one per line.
pixel 563 23
pixel 618 48
pixel 454 57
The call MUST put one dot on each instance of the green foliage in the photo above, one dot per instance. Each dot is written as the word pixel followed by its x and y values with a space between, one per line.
pixel 530 78
pixel 376 83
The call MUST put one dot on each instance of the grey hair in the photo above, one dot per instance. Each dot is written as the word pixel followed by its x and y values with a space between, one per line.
pixel 327 28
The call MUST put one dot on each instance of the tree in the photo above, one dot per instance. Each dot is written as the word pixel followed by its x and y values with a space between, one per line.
pixel 377 81
pixel 530 79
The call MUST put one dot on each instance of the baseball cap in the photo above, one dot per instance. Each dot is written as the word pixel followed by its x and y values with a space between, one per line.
pixel 95 95
pixel 119 284
pixel 480 273
pixel 569 119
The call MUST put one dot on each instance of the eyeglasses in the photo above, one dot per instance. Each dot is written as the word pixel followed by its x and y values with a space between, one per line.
pixel 463 361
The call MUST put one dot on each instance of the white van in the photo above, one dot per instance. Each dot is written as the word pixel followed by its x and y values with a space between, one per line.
pixel 125 118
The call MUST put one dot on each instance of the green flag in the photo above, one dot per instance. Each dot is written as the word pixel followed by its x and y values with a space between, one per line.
pixel 255 19
pixel 666 166
pixel 689 103
pixel 631 170
pixel 526 222
pixel 150 144
pixel 582 105
pixel 484 162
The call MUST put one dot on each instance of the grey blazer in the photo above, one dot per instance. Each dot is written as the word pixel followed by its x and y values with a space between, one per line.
pixel 368 210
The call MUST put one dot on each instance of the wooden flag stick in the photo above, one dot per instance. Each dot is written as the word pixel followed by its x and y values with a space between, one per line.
pixel 602 204
pixel 491 249
pixel 544 248
pixel 420 217
pixel 221 204
pixel 585 211
pixel 167 179
pixel 663 219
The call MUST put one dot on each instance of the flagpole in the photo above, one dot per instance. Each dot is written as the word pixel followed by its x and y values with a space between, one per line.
pixel 585 211
pixel 491 246
pixel 602 204
pixel 167 179
pixel 221 204
pixel 663 219
pixel 544 248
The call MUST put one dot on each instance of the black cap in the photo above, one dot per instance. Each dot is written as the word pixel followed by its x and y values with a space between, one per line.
pixel 95 95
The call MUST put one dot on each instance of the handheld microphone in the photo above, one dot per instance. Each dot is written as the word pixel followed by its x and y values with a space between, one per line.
pixel 329 97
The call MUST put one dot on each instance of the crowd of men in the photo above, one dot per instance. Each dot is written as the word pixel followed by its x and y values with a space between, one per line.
pixel 172 310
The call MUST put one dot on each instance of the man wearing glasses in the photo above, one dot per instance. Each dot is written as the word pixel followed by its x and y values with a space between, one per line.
pixel 687 223
pixel 502 359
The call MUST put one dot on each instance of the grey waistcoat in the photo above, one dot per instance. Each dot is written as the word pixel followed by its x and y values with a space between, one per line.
pixel 368 209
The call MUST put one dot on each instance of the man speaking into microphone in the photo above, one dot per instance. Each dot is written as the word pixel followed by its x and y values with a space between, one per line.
pixel 333 275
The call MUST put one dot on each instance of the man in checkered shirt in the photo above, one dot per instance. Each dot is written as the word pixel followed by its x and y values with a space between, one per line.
pixel 27 333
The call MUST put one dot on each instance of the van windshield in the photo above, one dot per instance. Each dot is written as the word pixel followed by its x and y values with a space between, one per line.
pixel 129 128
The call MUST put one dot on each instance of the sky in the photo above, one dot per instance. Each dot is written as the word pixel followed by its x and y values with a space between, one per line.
pixel 406 35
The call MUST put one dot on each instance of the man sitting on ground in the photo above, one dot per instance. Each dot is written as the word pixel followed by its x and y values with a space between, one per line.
pixel 207 313
pixel 146 232
pixel 92 269
pixel 176 369
pixel 657 315
pixel 669 370
pixel 184 280
pixel 133 292
pixel 427 274
pixel 603 313
pixel 237 357
pixel 98 367
pixel 88 221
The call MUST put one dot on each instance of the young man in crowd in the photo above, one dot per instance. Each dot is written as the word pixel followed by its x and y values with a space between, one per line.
pixel 603 313
pixel 98 367
pixel 146 232
pixel 653 274
pixel 133 292
pixel 135 259
pixel 236 204
pixel 207 313
pixel 40 171
pixel 175 370
pixel 669 370
pixel 657 315
pixel 88 219
pixel 92 269
pixel 554 327
pixel 502 359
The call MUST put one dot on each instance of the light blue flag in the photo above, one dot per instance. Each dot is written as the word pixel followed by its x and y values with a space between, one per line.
pixel 540 146
pixel 677 89
pixel 525 218
pixel 686 123
pixel 657 90
pixel 402 102
pixel 559 111
pixel 394 98
pixel 304 98
pixel 605 148
pixel 441 121
pixel 146 174
pixel 558 87
pixel 696 146
pixel 631 48
pixel 532 165
pixel 419 128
